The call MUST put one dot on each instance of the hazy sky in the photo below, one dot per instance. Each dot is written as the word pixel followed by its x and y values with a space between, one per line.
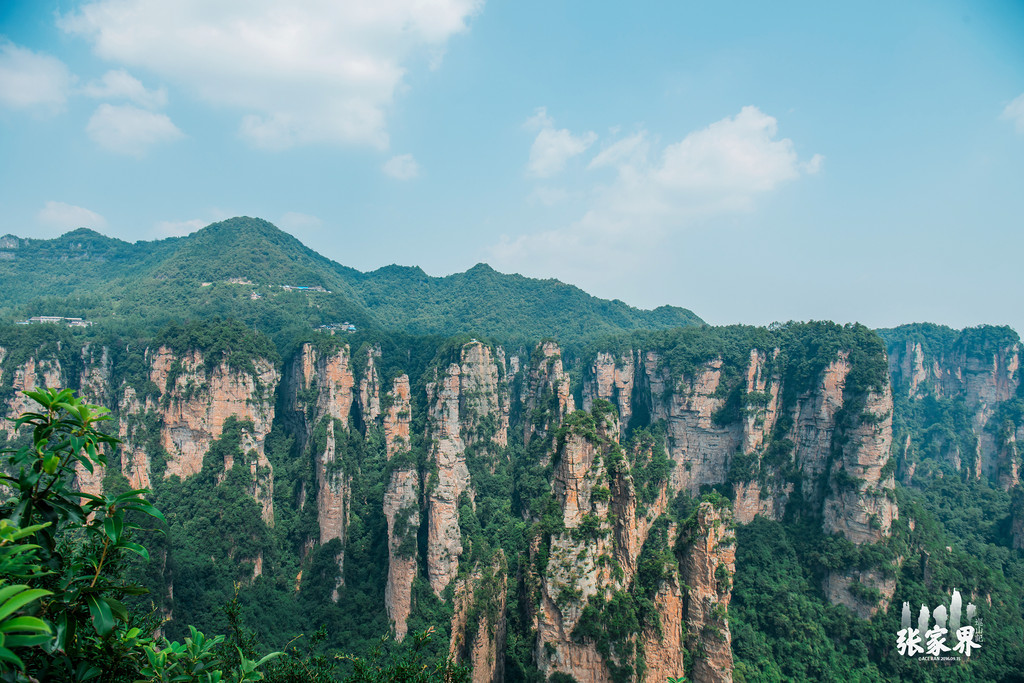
pixel 753 161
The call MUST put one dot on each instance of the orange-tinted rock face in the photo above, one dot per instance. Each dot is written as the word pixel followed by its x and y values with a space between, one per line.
pixel 199 399
pixel 708 564
pixel 546 379
pixel 481 644
pixel 132 414
pixel 1008 456
pixel 984 377
pixel 31 375
pixel 398 417
pixel 94 387
pixel 612 380
pixel 322 393
pixel 458 400
pixel 401 509
pixel 328 378
pixel 663 652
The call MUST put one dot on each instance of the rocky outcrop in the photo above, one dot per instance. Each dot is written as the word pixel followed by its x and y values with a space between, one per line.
pixel 580 558
pixel 94 378
pixel 664 647
pixel 761 408
pixel 979 367
pixel 546 392
pixel 401 508
pixel 465 410
pixel 322 387
pixel 138 424
pixel 478 623
pixel 861 504
pixel 261 478
pixel 369 388
pixel 864 592
pixel 709 561
pixel 701 448
pixel 1008 455
pixel 197 397
pixel 94 387
pixel 612 378
pixel 814 426
pixel 43 373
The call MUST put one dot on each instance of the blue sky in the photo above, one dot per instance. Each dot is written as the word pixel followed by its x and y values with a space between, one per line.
pixel 752 161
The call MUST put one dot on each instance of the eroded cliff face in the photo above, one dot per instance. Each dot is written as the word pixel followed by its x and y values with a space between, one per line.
pixel 322 394
pixel 761 411
pixel 981 371
pixel 94 387
pixel 196 397
pixel 41 373
pixel 478 624
pixel 701 447
pixel 664 651
pixel 724 425
pixel 546 391
pixel 580 558
pixel 837 440
pixel 401 508
pixel 612 379
pixel 465 410
pixel 709 561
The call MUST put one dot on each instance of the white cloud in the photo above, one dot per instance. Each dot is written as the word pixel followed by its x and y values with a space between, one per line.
pixel 1015 112
pixel 178 228
pixel 552 147
pixel 317 71
pixel 627 151
pixel 32 79
pixel 735 154
pixel 402 167
pixel 121 85
pixel 714 171
pixel 127 129
pixel 59 217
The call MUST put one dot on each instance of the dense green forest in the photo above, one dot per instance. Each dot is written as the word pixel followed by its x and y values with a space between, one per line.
pixel 146 285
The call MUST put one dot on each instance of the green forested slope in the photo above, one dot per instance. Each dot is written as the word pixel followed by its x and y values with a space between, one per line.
pixel 86 274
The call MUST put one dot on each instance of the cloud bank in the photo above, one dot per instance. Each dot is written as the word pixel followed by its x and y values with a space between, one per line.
pixel 640 192
pixel 314 72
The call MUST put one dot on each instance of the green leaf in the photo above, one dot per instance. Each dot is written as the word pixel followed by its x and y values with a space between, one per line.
pixel 113 526
pixel 117 608
pixel 137 549
pixel 147 508
pixel 23 624
pixel 19 598
pixel 102 619
pixel 26 640
pixel 8 656
pixel 86 671
pixel 50 463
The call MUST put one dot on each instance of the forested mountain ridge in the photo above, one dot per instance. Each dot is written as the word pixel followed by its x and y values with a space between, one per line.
pixel 84 274
pixel 732 503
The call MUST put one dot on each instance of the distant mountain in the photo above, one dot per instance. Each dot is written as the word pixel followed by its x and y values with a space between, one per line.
pixel 239 268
